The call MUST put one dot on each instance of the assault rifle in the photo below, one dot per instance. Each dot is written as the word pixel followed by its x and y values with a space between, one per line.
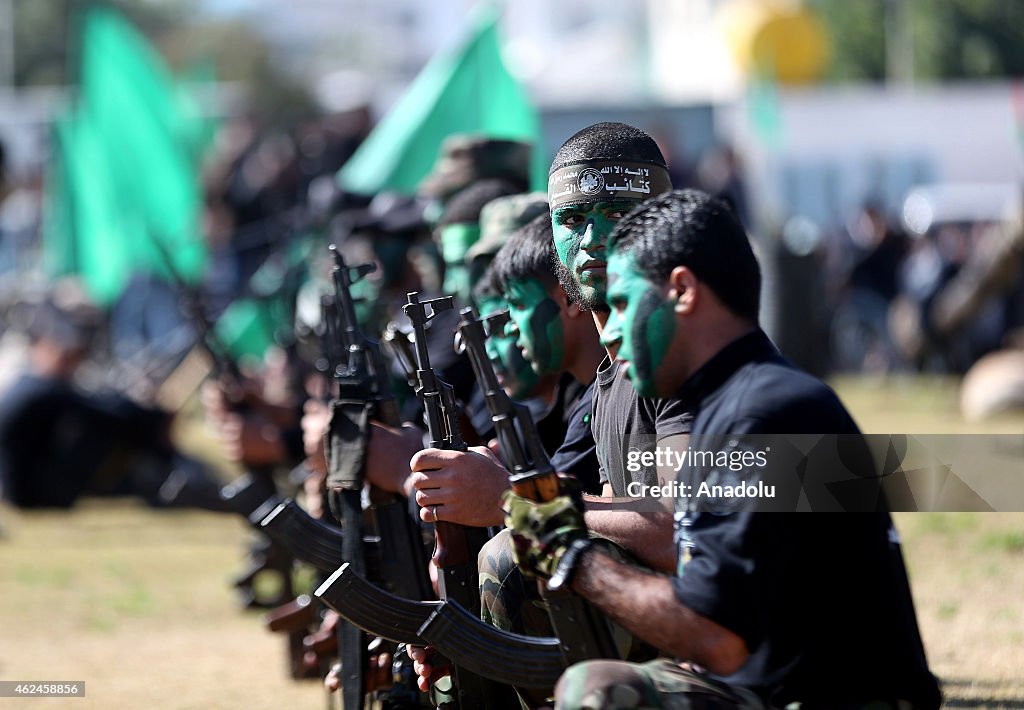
pixel 363 393
pixel 254 497
pixel 255 492
pixel 581 631
pixel 303 536
pixel 456 546
pixel 512 659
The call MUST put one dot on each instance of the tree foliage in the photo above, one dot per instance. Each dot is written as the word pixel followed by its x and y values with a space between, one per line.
pixel 47 35
pixel 951 39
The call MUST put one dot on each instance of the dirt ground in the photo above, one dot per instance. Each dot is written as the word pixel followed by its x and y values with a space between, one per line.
pixel 137 603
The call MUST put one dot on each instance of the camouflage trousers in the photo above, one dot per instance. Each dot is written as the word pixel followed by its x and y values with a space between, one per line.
pixel 660 684
pixel 510 601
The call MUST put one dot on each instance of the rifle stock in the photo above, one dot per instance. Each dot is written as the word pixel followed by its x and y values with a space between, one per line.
pixel 248 494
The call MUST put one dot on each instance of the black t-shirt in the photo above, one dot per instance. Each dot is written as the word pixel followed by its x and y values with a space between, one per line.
pixel 577 455
pixel 821 599
pixel 552 419
pixel 625 424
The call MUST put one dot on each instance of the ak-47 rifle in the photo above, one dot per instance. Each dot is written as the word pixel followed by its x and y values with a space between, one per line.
pixel 364 393
pixel 511 659
pixel 581 631
pixel 303 536
pixel 456 546
pixel 253 494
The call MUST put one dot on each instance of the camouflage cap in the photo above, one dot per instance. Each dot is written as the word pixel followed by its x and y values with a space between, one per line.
pixel 466 158
pixel 504 215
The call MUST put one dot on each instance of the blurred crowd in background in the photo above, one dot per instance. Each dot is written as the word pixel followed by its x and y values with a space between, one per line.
pixel 859 293
pixel 916 269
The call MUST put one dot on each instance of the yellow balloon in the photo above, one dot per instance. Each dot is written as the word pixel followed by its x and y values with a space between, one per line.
pixel 776 39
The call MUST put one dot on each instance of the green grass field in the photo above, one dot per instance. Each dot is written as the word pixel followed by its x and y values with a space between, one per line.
pixel 137 603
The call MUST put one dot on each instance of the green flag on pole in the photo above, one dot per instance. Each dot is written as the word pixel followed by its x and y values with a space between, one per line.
pixel 84 233
pixel 127 175
pixel 466 90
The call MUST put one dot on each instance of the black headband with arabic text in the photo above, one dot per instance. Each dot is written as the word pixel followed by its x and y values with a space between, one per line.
pixel 602 180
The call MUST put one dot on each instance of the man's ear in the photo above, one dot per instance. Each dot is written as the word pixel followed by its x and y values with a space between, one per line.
pixel 682 285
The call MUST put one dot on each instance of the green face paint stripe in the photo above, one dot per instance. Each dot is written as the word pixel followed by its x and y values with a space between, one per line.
pixel 456 239
pixel 521 369
pixel 504 352
pixel 577 244
pixel 457 282
pixel 644 321
pixel 548 350
pixel 647 333
pixel 538 320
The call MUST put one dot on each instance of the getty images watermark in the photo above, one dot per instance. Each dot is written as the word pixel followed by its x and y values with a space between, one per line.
pixel 726 474
pixel 819 473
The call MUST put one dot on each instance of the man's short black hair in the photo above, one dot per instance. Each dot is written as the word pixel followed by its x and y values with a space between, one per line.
pixel 693 229
pixel 608 141
pixel 527 254
pixel 465 206
pixel 486 286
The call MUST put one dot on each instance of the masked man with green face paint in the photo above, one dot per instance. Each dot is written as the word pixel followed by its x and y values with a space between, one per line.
pixel 597 176
pixel 546 394
pixel 459 229
pixel 498 220
pixel 555 335
pixel 558 337
pixel 766 610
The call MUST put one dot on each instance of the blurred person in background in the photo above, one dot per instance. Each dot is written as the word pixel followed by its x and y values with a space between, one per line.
pixel 956 302
pixel 873 255
pixel 720 173
pixel 58 442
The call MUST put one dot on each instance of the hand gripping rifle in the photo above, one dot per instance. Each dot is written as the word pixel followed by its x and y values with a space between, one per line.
pixel 306 538
pixel 456 546
pixel 582 632
pixel 253 494
pixel 363 392
pixel 512 659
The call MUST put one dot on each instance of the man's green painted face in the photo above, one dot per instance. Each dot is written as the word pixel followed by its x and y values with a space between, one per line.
pixel 581 232
pixel 514 371
pixel 642 323
pixel 538 320
pixel 456 239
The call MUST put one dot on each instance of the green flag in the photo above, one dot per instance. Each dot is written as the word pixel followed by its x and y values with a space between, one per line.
pixel 763 110
pixel 467 90
pixel 83 202
pixel 132 99
pixel 127 175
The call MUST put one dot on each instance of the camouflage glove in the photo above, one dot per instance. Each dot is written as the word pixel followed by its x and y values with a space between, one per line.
pixel 543 533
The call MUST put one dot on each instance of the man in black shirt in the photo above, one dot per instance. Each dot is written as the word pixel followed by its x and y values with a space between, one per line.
pixel 765 609
pixel 59 442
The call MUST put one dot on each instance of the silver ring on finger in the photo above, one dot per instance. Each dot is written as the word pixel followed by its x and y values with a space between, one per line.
pixel 433 512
